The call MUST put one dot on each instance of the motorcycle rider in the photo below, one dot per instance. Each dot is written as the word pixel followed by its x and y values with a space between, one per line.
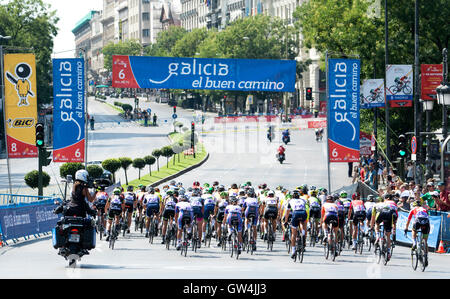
pixel 287 134
pixel 78 205
pixel 281 152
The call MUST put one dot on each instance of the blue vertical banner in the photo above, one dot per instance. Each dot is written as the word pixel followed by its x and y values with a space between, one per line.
pixel 343 109
pixel 68 110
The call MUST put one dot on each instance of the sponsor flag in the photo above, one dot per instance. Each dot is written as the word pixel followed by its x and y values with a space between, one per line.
pixel 68 110
pixel 20 105
pixel 372 94
pixel 431 78
pixel 399 85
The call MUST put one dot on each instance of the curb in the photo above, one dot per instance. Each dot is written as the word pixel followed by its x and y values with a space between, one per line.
pixel 173 176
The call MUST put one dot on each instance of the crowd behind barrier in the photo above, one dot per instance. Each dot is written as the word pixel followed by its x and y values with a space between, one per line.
pixel 32 216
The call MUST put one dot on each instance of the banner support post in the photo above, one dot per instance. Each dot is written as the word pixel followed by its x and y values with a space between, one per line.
pixel 4 118
pixel 328 124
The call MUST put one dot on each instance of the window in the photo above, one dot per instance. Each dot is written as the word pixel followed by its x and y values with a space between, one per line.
pixel 145 16
pixel 146 32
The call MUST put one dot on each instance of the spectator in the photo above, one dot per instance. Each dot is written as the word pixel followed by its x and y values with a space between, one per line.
pixel 154 119
pixel 355 174
pixel 443 202
pixel 409 172
pixel 350 168
pixel 404 202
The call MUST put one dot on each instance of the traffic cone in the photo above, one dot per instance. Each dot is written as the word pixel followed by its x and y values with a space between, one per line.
pixel 441 248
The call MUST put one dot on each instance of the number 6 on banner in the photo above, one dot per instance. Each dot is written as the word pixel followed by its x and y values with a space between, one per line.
pixel 77 153
pixel 121 74
pixel 334 153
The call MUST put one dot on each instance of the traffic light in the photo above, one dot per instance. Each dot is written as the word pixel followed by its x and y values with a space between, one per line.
pixel 402 146
pixel 44 157
pixel 174 109
pixel 309 94
pixel 40 135
pixel 192 126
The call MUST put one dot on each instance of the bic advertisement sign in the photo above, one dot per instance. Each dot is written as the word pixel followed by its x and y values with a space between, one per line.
pixel 203 73
pixel 343 109
pixel 20 105
pixel 69 107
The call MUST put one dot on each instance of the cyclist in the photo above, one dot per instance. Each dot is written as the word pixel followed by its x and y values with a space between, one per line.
pixel 314 210
pixel 421 221
pixel 233 212
pixel 168 214
pixel 341 216
pixel 115 205
pixel 251 207
pixel 209 204
pixel 219 213
pixel 270 207
pixel 382 213
pixel 130 205
pixel 183 214
pixel 233 190
pixel 357 213
pixel 140 197
pixel 101 198
pixel 152 204
pixel 197 207
pixel 329 214
pixel 299 208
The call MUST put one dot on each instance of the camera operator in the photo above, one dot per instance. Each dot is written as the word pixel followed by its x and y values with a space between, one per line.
pixel 77 205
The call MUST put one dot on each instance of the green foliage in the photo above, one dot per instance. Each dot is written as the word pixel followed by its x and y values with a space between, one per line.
pixel 70 169
pixel 129 47
pixel 166 41
pixel 94 171
pixel 187 46
pixel 32 27
pixel 127 107
pixel 149 160
pixel 112 165
pixel 139 163
pixel 31 179
pixel 125 162
pixel 167 152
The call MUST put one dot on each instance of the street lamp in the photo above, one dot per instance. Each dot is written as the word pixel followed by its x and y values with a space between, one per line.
pixel 443 94
pixel 428 107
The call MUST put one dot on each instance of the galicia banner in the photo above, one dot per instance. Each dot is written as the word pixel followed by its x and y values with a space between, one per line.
pixel 203 73
pixel 68 110
pixel 343 109
pixel 20 105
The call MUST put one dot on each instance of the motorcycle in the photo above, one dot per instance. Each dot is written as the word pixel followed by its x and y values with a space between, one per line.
pixel 286 139
pixel 281 157
pixel 73 236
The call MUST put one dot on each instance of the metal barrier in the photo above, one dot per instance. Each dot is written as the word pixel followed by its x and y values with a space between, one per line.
pixel 15 199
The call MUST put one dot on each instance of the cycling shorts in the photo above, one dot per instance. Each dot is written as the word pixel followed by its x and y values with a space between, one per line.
pixel 359 216
pixel 112 213
pixel 423 224
pixel 387 218
pixel 249 214
pixel 333 219
pixel 314 213
pixel 209 209
pixel 152 209
pixel 184 219
pixel 297 217
pixel 220 215
pixel 198 213
pixel 341 219
pixel 168 213
pixel 271 213
pixel 234 220
pixel 129 208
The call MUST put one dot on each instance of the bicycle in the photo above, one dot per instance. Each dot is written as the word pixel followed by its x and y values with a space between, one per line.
pixel 330 243
pixel 300 248
pixel 99 225
pixel 359 238
pixel 208 234
pixel 195 238
pixel 223 237
pixel 113 235
pixel 401 86
pixel 250 240
pixel 270 236
pixel 419 253
pixel 234 245
pixel 170 233
pixel 185 236
pixel 313 234
pixel 381 250
pixel 370 239
pixel 287 237
pixel 152 229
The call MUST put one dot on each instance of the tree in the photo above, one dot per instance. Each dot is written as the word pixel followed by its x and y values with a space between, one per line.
pixel 139 163
pixel 31 179
pixel 32 26
pixel 128 47
pixel 157 153
pixel 188 45
pixel 125 162
pixel 111 165
pixel 70 169
pixel 165 42
pixel 94 171
pixel 177 148
pixel 167 152
pixel 149 160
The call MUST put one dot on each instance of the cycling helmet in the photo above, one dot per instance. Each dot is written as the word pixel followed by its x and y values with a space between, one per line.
pixel 241 192
pixel 82 175
pixel 387 196
pixel 233 199
pixel 371 198
pixel 172 183
pixel 249 183
pixel 250 192
pixel 314 193
pixel 270 193
pixel 195 192
pixel 210 190
pixel 295 194
pixel 223 194
pixel 215 183
pixel 190 189
pixel 417 203
pixel 343 194
pixel 221 188
pixel 117 191
pixel 312 188
pixel 170 192
pixel 151 190
pixel 182 198
pixel 234 186
pixel 335 196
pixel 130 188
pixel 196 184
pixel 330 198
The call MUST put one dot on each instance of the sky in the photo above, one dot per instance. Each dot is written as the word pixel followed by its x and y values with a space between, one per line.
pixel 69 13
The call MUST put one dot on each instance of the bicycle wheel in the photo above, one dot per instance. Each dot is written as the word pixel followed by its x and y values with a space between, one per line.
pixel 300 250
pixel 414 259
pixel 326 249
pixel 112 237
pixel 423 257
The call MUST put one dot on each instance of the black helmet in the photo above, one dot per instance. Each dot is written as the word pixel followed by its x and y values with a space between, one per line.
pixel 130 188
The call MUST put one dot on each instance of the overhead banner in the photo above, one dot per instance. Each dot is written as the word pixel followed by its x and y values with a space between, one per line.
pixel 203 73
pixel 372 94
pixel 399 85
pixel 431 77
pixel 343 109
pixel 68 110
pixel 365 144
pixel 20 105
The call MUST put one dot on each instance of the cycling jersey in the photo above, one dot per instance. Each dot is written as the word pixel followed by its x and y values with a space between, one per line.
pixel 170 203
pixel 234 213
pixel 251 207
pixel 330 213
pixel 197 205
pixel 101 198
pixel 116 202
pixel 130 198
pixel 151 200
pixel 184 210
pixel 421 219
